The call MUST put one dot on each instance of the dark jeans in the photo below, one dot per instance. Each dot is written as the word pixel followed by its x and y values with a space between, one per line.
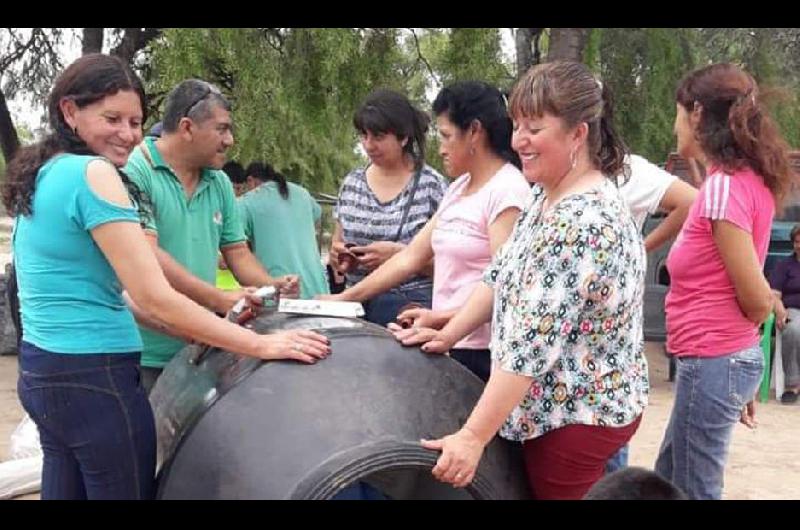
pixel 479 362
pixel 95 424
pixel 383 308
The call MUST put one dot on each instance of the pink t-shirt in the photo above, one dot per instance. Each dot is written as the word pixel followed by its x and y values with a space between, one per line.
pixel 460 240
pixel 703 316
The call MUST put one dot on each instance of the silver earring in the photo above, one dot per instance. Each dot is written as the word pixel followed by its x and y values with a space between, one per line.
pixel 471 151
pixel 573 158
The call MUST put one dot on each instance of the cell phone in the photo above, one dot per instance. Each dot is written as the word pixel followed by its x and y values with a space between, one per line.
pixel 348 246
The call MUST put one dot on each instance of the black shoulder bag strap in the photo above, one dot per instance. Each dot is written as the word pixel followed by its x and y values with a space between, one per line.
pixel 408 205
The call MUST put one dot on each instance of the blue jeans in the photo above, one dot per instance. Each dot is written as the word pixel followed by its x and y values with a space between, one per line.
pixel 383 308
pixel 618 461
pixel 709 396
pixel 95 424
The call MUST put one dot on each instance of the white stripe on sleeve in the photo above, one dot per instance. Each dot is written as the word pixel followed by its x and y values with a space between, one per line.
pixel 726 183
pixel 709 184
pixel 717 198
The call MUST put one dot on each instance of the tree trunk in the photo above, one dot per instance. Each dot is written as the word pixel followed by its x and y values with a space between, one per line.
pixel 133 40
pixel 8 133
pixel 527 39
pixel 92 40
pixel 523 39
pixel 567 44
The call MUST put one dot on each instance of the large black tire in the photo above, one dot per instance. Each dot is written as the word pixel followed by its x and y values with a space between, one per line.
pixel 231 427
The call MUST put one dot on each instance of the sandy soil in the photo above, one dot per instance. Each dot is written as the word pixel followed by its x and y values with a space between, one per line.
pixel 763 464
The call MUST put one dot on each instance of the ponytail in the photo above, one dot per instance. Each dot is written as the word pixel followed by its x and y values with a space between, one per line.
pixel 760 143
pixel 280 180
pixel 416 142
pixel 612 152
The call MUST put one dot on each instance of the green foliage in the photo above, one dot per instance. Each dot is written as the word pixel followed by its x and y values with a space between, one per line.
pixel 294 90
pixel 474 54
pixel 644 65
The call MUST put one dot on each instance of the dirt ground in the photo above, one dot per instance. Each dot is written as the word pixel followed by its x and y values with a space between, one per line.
pixel 763 464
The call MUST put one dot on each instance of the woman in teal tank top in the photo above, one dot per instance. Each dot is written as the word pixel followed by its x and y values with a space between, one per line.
pixel 78 243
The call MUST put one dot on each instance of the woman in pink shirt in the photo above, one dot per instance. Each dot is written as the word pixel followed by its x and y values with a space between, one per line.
pixel 474 218
pixel 718 295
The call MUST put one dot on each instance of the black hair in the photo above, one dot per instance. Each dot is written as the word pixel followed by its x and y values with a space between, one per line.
pixel 87 80
pixel 235 172
pixel 469 101
pixel 265 173
pixel 386 111
pixel 634 483
pixel 192 99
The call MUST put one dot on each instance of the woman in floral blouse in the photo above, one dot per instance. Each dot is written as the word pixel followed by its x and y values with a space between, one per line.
pixel 569 378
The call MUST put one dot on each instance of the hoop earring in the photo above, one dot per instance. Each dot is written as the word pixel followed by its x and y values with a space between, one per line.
pixel 471 151
pixel 573 159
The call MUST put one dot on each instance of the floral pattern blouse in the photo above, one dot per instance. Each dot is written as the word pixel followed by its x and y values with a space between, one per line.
pixel 569 286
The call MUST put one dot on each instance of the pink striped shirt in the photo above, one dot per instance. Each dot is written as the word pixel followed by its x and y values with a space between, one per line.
pixel 703 316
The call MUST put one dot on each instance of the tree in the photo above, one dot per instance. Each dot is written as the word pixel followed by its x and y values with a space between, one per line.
pixel 474 53
pixel 28 64
pixel 92 41
pixel 526 42
pixel 567 44
pixel 131 40
pixel 294 90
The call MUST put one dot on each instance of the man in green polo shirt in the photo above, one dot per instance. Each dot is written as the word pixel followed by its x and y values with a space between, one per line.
pixel 194 211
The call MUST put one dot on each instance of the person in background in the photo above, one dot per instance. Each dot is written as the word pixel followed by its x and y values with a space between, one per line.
pixel 634 484
pixel 279 222
pixel 237 176
pixel 155 130
pixel 785 283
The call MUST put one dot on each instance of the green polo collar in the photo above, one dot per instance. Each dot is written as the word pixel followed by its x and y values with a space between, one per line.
pixel 157 161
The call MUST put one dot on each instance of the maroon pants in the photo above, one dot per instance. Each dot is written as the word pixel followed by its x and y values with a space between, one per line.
pixel 566 462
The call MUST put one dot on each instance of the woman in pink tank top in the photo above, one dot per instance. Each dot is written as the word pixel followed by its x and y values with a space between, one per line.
pixel 718 295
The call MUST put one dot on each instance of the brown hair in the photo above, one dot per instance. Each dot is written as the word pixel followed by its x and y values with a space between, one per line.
pixel 569 91
pixel 87 80
pixel 734 129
